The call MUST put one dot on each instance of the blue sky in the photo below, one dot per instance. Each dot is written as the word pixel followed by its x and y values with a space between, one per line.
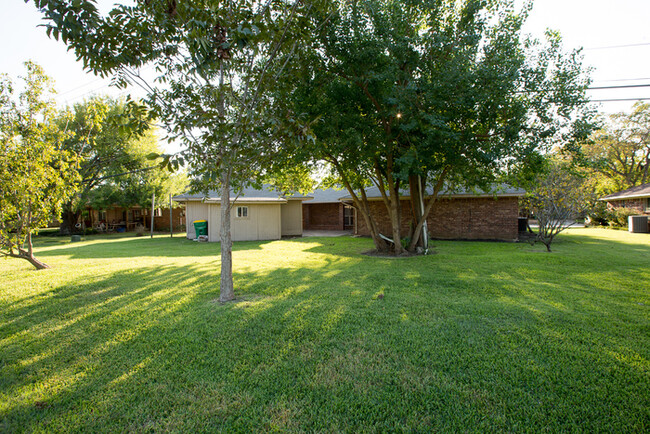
pixel 614 34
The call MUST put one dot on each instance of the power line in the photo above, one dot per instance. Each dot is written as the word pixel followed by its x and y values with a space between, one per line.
pixel 79 87
pixel 618 46
pixel 620 99
pixel 624 79
pixel 626 86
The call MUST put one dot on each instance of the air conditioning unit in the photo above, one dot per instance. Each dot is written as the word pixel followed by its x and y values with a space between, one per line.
pixel 638 224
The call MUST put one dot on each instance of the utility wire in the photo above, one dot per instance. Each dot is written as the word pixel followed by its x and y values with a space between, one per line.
pixel 80 86
pixel 620 99
pixel 625 86
pixel 623 79
pixel 618 46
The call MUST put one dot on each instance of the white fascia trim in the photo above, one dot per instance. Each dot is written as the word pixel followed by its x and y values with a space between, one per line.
pixel 632 196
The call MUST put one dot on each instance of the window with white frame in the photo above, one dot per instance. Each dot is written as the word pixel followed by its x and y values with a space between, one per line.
pixel 242 212
pixel 647 203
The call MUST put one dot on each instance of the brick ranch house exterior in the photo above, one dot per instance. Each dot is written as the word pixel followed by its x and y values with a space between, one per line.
pixel 326 211
pixel 637 198
pixel 461 215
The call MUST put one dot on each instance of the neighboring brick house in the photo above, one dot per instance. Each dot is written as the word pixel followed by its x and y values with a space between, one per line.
pixel 128 218
pixel 637 198
pixel 463 215
pixel 326 211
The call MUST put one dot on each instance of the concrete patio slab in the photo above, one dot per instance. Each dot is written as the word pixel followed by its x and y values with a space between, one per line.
pixel 313 233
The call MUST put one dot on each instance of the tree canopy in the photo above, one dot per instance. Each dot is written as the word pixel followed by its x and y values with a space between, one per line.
pixel 36 173
pixel 214 64
pixel 438 94
pixel 114 162
pixel 618 155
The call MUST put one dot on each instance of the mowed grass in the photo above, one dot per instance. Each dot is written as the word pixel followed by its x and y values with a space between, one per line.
pixel 125 334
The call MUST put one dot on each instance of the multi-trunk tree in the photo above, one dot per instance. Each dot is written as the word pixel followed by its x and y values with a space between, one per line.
pixel 418 95
pixel 556 196
pixel 214 64
pixel 36 174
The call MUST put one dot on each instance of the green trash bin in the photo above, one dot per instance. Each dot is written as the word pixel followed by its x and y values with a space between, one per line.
pixel 200 227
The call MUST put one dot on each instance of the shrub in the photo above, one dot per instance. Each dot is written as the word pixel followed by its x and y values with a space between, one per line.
pixel 599 215
pixel 619 216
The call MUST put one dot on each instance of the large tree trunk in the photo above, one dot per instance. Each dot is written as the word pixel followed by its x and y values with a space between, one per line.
pixel 69 219
pixel 227 291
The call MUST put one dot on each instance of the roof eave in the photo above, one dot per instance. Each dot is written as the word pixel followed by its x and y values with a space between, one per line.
pixel 449 196
pixel 631 196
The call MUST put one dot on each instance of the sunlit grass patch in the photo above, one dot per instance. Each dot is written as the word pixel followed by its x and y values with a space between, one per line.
pixel 125 334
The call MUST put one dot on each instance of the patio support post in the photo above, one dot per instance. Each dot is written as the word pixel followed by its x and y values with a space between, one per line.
pixel 153 202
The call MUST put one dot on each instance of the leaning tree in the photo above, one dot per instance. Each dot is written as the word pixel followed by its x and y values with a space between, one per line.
pixel 36 175
pixel 434 94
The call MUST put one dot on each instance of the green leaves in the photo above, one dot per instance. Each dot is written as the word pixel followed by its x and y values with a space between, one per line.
pixel 36 173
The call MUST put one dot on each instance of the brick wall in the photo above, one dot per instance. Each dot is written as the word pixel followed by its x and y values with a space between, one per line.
pixel 322 216
pixel 468 219
pixel 162 223
pixel 636 204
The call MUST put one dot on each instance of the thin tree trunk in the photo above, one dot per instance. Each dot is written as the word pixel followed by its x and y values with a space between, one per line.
pixel 392 203
pixel 362 207
pixel 227 288
pixel 28 254
pixel 427 209
pixel 396 222
pixel 416 189
pixel 39 265
pixel 227 291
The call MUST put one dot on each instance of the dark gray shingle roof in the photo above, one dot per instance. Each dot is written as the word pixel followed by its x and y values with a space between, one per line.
pixel 329 195
pixel 639 191
pixel 498 191
pixel 246 194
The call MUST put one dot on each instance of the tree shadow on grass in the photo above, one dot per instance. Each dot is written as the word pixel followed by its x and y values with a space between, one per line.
pixel 314 348
pixel 128 247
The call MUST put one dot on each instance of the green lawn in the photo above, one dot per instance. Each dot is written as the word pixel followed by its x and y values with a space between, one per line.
pixel 124 334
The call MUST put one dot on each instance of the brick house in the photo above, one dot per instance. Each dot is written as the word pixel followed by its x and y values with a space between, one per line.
pixel 461 215
pixel 326 211
pixel 637 198
pixel 115 217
